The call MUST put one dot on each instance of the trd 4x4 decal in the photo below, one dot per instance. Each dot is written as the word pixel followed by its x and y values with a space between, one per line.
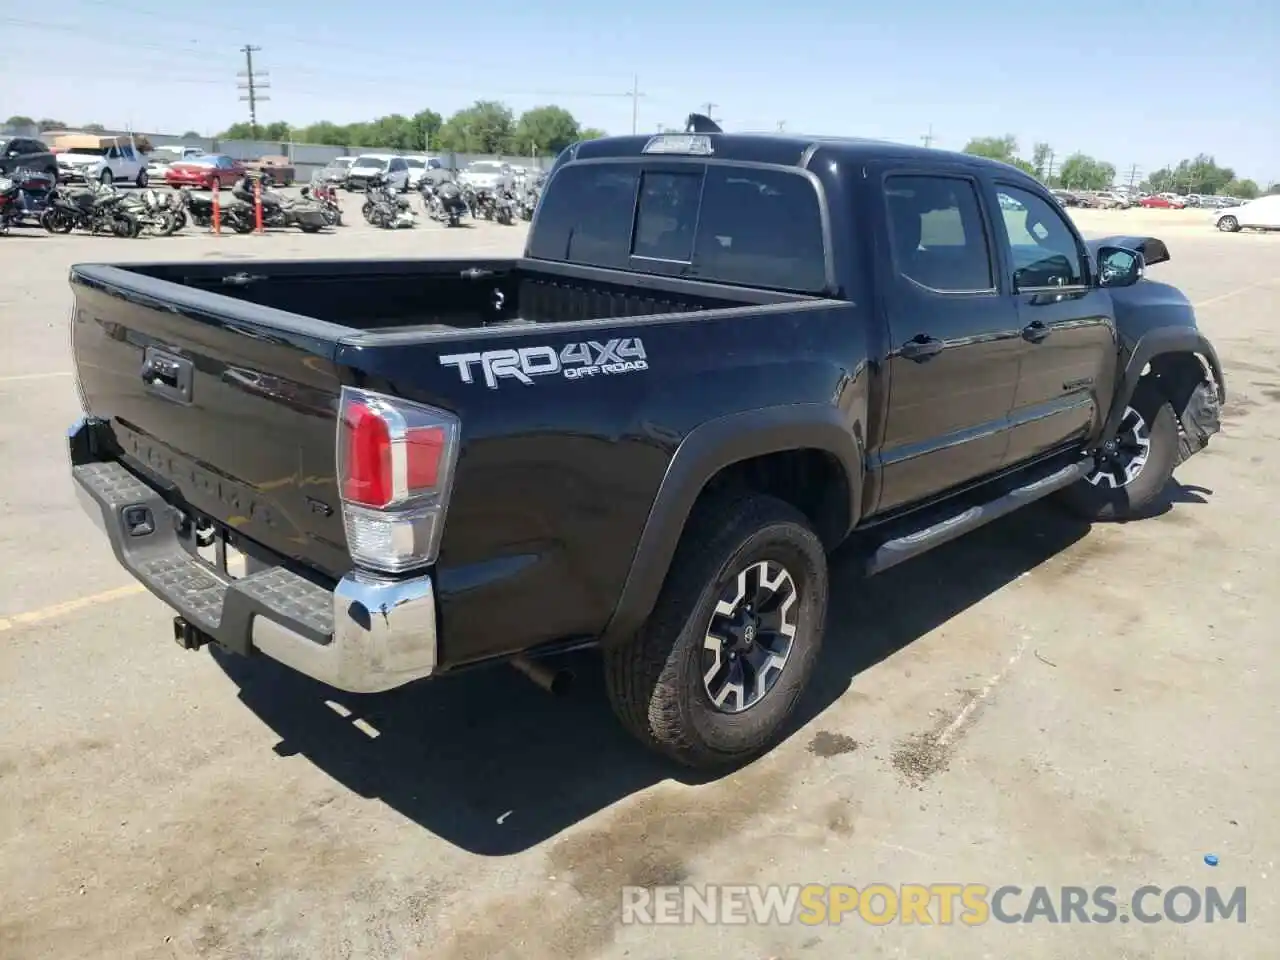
pixel 573 361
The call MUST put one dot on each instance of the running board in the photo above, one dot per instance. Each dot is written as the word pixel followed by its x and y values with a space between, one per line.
pixel 893 552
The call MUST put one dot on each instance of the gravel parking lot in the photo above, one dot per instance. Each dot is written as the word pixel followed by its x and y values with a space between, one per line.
pixel 1041 703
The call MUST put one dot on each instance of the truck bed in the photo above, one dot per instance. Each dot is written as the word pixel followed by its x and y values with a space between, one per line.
pixel 218 384
pixel 438 296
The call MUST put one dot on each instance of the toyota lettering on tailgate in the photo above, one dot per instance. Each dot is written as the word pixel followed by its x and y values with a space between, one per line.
pixel 573 361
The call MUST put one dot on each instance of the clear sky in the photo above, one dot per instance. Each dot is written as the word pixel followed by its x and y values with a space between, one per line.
pixel 1143 83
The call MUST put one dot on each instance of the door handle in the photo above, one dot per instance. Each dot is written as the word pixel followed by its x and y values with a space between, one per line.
pixel 1035 331
pixel 920 348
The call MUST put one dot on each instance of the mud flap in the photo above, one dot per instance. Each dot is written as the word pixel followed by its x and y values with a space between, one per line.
pixel 1201 419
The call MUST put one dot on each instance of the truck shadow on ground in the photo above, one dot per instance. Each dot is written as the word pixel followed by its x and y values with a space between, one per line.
pixel 456 754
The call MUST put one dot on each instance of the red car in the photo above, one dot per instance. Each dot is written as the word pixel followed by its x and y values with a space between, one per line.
pixel 1162 202
pixel 205 173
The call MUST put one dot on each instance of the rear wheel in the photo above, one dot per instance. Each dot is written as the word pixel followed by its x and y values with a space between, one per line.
pixel 125 225
pixel 1228 224
pixel 713 675
pixel 143 178
pixel 1132 469
pixel 106 178
pixel 56 221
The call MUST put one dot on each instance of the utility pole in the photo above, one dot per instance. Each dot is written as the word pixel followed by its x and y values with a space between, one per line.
pixel 1048 171
pixel 927 139
pixel 252 84
pixel 635 96
pixel 1133 175
pixel 782 126
pixel 707 108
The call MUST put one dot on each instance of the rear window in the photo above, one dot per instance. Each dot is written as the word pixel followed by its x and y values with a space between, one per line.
pixel 741 225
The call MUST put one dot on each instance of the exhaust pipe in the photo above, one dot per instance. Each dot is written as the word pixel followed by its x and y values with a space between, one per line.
pixel 555 681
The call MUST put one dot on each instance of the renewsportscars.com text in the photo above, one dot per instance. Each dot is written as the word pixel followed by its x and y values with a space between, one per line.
pixel 969 904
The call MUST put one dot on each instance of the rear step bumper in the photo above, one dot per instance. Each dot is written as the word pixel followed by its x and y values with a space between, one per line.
pixel 363 636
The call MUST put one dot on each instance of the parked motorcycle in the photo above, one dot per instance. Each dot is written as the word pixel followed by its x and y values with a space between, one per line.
pixel 24 195
pixel 504 206
pixel 444 202
pixel 154 210
pixel 529 197
pixel 93 208
pixel 326 195
pixel 234 215
pixel 485 203
pixel 383 208
pixel 278 211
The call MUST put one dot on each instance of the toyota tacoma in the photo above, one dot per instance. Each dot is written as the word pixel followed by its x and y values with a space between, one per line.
pixel 719 357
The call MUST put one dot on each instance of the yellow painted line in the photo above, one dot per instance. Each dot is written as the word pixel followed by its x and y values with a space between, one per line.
pixel 1234 293
pixel 70 606
pixel 35 376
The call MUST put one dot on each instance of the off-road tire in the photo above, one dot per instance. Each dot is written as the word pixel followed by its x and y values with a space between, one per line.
pixel 1101 502
pixel 655 679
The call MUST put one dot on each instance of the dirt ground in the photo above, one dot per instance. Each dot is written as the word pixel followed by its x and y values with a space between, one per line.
pixel 1042 703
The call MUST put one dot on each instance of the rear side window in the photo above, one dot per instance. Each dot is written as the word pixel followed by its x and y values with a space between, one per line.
pixel 586 216
pixel 739 225
pixel 760 228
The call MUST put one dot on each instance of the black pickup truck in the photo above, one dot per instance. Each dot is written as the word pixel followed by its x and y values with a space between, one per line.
pixel 720 357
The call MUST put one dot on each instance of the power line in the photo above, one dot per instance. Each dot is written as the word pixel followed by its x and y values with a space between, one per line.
pixel 252 84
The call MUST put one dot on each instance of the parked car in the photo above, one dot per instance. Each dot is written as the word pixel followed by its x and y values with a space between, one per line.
pixel 24 153
pixel 1161 202
pixel 509 459
pixel 90 158
pixel 163 157
pixel 370 165
pixel 428 169
pixel 210 172
pixel 336 171
pixel 487 175
pixel 277 171
pixel 1260 214
pixel 1112 201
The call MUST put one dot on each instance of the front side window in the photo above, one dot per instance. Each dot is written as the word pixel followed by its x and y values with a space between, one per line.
pixel 937 234
pixel 1045 252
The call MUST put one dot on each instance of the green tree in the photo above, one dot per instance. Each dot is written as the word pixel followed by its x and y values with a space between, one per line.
pixel 426 129
pixel 1245 189
pixel 190 133
pixel 277 130
pixel 544 130
pixel 1004 149
pixel 1040 156
pixel 1199 174
pixel 18 120
pixel 47 123
pixel 1082 172
pixel 94 128
pixel 237 131
pixel 591 133
pixel 484 127
pixel 1274 188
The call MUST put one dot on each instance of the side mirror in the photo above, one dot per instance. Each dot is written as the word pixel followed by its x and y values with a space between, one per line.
pixel 1119 267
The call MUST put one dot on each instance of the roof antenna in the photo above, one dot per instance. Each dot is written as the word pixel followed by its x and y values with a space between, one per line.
pixel 701 123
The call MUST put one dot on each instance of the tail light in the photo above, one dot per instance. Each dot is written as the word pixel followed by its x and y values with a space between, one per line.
pixel 395 471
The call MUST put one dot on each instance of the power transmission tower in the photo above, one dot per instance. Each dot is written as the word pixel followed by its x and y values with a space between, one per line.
pixel 927 139
pixel 252 84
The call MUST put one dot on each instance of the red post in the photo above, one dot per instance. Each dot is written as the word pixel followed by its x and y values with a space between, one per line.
pixel 217 208
pixel 257 203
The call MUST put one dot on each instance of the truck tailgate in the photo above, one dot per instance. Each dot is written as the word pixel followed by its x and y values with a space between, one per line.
pixel 235 415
